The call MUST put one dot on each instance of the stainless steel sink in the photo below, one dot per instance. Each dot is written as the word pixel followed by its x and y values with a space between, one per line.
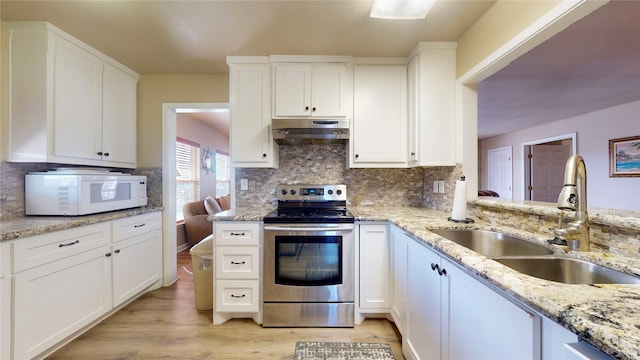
pixel 567 270
pixel 493 244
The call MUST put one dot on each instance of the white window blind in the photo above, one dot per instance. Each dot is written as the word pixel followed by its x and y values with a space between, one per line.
pixel 187 174
pixel 223 174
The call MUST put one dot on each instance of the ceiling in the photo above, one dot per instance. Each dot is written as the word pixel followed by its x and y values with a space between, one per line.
pixel 592 65
pixel 194 37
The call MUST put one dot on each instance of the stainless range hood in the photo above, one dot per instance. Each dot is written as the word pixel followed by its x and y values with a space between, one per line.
pixel 310 131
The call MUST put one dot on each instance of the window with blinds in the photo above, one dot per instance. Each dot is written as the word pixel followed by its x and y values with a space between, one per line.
pixel 187 174
pixel 223 174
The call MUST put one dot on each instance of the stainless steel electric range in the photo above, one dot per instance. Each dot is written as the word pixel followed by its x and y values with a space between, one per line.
pixel 309 255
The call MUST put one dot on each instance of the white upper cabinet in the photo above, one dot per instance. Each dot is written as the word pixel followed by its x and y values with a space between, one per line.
pixel 311 90
pixel 379 136
pixel 432 72
pixel 250 137
pixel 68 103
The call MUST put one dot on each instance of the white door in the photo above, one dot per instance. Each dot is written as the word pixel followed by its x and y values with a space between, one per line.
pixel 547 171
pixel 501 171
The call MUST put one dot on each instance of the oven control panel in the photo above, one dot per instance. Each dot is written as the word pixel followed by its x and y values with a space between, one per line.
pixel 311 192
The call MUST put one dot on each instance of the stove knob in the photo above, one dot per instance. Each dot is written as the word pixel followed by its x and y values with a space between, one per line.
pixel 339 192
pixel 292 191
pixel 284 191
pixel 330 192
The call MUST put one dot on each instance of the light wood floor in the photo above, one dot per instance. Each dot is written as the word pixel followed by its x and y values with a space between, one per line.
pixel 164 324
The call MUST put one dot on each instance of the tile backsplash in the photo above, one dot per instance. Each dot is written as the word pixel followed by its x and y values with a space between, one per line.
pixel 317 164
pixel 12 185
pixel 300 164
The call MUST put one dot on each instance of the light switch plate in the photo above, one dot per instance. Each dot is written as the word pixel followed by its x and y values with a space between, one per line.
pixel 441 186
pixel 244 184
pixel 435 186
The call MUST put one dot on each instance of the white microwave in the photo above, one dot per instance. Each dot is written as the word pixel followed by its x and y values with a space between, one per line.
pixel 82 192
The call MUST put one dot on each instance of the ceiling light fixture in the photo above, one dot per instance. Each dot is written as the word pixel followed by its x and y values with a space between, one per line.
pixel 400 9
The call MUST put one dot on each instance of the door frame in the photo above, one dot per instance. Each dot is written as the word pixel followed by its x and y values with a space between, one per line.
pixel 169 229
pixel 526 163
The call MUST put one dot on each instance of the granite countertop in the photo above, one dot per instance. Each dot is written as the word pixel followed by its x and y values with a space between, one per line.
pixel 34 225
pixel 606 316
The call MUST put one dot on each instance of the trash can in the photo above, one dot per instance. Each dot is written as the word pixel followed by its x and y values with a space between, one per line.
pixel 202 266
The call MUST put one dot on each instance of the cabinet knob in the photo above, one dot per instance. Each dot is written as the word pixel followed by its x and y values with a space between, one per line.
pixel 413 153
pixel 106 154
pixel 117 251
pixel 99 153
pixel 313 108
pixel 357 156
pixel 264 155
pixel 107 254
pixel 306 108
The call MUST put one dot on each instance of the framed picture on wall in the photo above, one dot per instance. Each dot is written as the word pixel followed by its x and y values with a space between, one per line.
pixel 624 157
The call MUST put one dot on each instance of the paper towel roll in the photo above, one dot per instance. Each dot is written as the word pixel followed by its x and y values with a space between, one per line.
pixel 459 210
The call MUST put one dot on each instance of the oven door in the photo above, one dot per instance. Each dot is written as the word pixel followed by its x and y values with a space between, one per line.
pixel 308 263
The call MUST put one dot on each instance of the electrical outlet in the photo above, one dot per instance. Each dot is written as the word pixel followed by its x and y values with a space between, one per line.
pixel 441 186
pixel 244 184
pixel 435 186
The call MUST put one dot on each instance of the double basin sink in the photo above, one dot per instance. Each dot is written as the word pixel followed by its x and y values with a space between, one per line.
pixel 535 259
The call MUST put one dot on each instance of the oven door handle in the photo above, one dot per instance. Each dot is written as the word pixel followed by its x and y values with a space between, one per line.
pixel 307 228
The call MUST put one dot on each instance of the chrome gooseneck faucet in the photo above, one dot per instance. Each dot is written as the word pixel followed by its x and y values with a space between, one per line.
pixel 574 197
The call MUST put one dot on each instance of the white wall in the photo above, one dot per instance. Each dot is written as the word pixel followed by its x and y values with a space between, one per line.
pixel 593 133
pixel 197 131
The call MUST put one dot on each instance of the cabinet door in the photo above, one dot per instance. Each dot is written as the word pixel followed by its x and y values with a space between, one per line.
pixel 77 110
pixel 375 282
pixel 292 90
pixel 379 116
pixel 399 291
pixel 5 317
pixel 413 99
pixel 435 107
pixel 423 335
pixel 119 117
pixel 249 95
pixel 54 300
pixel 137 264
pixel 329 90
pixel 485 325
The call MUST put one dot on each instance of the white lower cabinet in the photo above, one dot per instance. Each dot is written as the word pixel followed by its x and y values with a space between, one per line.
pixel 399 288
pixel 64 281
pixel 136 255
pixel 237 272
pixel 5 303
pixel 424 334
pixel 485 325
pixel 453 316
pixel 55 299
pixel 375 277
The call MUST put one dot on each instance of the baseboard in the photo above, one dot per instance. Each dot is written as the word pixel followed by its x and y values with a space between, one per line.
pixel 182 247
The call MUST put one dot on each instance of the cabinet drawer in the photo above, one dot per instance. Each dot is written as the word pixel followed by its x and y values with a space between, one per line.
pixel 237 295
pixel 41 249
pixel 237 233
pixel 237 262
pixel 136 225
